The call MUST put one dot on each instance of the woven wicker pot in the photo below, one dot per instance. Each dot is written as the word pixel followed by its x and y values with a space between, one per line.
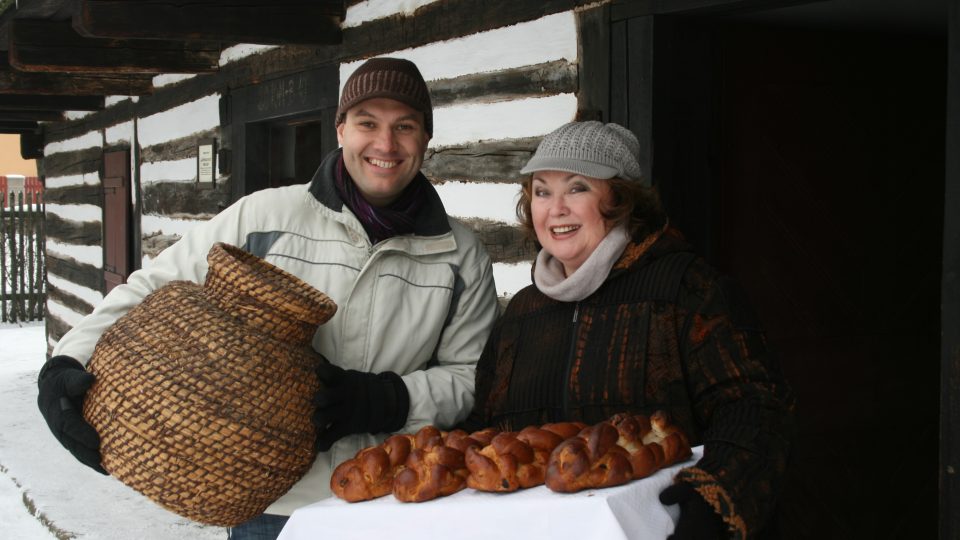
pixel 203 395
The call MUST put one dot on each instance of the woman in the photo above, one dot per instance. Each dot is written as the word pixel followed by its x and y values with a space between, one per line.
pixel 622 316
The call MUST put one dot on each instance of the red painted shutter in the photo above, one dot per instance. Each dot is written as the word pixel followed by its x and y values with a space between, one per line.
pixel 116 218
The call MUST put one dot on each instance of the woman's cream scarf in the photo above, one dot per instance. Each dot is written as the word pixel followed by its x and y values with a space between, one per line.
pixel 550 279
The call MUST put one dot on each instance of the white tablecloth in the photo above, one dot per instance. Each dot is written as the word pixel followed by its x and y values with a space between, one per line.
pixel 631 511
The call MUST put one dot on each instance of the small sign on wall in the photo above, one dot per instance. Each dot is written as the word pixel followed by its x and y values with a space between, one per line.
pixel 206 164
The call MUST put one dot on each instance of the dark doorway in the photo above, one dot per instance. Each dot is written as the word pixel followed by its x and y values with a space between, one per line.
pixel 293 150
pixel 830 195
pixel 284 151
pixel 281 129
pixel 809 164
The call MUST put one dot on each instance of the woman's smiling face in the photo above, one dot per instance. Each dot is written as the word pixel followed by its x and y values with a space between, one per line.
pixel 566 214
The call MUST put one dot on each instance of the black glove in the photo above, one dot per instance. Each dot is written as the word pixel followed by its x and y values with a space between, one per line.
pixel 63 382
pixel 697 518
pixel 352 401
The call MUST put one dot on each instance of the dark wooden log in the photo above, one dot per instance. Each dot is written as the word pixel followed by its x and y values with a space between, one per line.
pixel 56 328
pixel 68 300
pixel 92 84
pixel 75 272
pixel 43 45
pixel 315 22
pixel 33 102
pixel 75 162
pixel 499 161
pixel 505 243
pixel 74 195
pixel 439 21
pixel 546 79
pixel 69 231
pixel 167 198
pixel 181 148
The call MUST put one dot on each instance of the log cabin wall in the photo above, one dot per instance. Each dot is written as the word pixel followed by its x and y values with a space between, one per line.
pixel 501 74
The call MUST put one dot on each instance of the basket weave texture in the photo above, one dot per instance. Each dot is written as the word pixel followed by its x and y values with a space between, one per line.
pixel 203 394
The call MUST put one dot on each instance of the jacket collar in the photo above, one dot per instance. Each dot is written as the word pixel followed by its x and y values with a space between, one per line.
pixel 431 220
pixel 640 252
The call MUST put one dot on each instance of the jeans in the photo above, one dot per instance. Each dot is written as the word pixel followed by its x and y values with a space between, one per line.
pixel 262 527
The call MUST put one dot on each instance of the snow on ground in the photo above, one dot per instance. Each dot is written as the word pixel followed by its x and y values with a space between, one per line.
pixel 44 492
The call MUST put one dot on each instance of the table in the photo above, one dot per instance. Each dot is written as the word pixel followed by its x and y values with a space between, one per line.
pixel 627 512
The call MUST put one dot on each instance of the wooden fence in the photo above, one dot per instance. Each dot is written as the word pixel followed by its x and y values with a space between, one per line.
pixel 22 252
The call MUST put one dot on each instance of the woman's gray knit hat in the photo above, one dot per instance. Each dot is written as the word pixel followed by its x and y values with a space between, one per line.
pixel 589 148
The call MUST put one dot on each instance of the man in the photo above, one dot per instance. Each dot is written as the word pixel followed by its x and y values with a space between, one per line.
pixel 414 287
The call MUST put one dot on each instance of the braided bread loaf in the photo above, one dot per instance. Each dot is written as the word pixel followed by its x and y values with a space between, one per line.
pixel 512 461
pixel 436 468
pixel 370 473
pixel 624 448
pixel 567 456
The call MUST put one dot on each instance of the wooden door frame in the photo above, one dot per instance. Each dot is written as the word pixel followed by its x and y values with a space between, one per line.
pixel 950 296
pixel 625 9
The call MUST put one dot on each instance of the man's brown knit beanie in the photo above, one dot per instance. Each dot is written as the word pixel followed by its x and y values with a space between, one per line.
pixel 392 78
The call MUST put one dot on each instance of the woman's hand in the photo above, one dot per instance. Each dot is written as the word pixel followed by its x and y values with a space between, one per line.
pixel 697 520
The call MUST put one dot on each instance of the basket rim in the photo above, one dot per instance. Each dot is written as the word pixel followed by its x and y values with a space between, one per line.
pixel 300 296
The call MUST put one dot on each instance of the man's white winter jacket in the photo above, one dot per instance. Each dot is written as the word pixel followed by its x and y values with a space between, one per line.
pixel 419 305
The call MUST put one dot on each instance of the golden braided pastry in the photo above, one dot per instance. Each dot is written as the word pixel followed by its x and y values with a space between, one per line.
pixel 626 447
pixel 370 473
pixel 373 471
pixel 513 461
pixel 592 459
pixel 566 456
pixel 437 467
pixel 653 442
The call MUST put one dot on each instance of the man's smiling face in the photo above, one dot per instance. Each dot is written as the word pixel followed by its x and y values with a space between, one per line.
pixel 383 144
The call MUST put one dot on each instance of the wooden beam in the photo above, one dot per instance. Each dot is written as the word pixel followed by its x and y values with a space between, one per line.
pixel 631 81
pixel 626 9
pixel 546 79
pixel 280 22
pixel 18 126
pixel 23 82
pixel 25 102
pixel 42 45
pixel 493 162
pixel 37 115
pixel 593 97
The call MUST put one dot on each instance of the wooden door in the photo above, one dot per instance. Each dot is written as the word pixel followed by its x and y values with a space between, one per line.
pixel 809 165
pixel 830 211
